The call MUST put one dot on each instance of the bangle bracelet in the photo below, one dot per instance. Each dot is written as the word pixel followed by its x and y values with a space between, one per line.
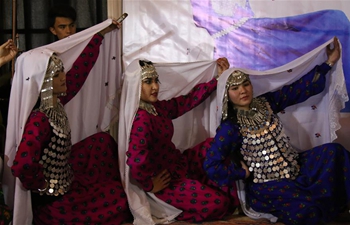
pixel 45 188
pixel 329 63
pixel 99 34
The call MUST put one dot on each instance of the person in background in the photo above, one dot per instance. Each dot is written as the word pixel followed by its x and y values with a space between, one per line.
pixel 7 52
pixel 310 187
pixel 62 20
pixel 69 184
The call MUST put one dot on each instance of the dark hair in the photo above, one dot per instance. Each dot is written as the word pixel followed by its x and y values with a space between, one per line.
pixel 66 11
pixel 235 156
pixel 145 62
pixel 231 112
pixel 37 104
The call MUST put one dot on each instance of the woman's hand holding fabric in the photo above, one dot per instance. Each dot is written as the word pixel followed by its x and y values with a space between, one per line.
pixel 113 26
pixel 222 65
pixel 334 53
pixel 161 181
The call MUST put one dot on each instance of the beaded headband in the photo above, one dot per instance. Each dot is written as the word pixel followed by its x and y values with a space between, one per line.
pixel 148 71
pixel 55 66
pixel 237 77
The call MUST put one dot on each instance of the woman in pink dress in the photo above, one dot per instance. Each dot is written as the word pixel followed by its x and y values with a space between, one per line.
pixel 160 169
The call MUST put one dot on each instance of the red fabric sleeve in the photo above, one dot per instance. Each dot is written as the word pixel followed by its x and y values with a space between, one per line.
pixel 36 136
pixel 77 75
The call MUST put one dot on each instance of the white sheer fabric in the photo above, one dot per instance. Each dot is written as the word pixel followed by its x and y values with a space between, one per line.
pixel 92 109
pixel 319 114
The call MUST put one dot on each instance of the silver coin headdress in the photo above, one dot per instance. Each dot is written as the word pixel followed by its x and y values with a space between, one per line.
pixel 55 65
pixel 148 70
pixel 237 77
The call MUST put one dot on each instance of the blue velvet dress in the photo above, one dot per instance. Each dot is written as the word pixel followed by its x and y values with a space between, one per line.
pixel 320 190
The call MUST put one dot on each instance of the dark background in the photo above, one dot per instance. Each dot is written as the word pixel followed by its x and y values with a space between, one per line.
pixel 33 30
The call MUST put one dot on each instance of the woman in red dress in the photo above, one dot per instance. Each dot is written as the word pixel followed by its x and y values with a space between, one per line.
pixel 69 184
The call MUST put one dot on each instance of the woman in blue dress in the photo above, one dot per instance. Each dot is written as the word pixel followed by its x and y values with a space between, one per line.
pixel 310 187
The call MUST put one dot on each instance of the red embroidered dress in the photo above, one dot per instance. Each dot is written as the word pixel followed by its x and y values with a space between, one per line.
pixel 151 150
pixel 95 195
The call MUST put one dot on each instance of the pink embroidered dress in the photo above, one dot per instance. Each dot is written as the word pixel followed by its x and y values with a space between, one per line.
pixel 151 150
